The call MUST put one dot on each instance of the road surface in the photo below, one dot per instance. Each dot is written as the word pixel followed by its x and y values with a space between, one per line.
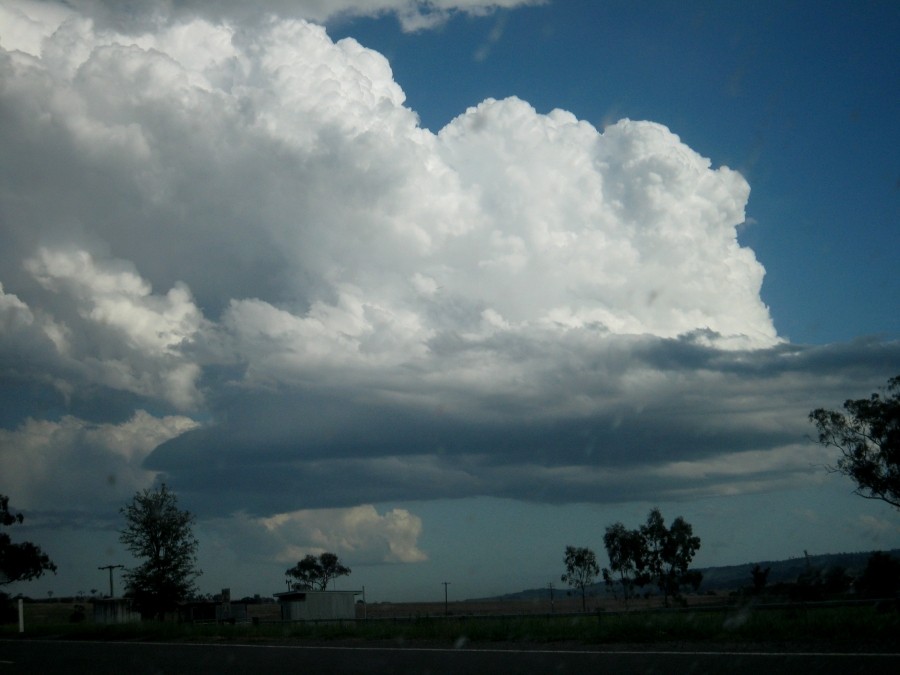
pixel 50 657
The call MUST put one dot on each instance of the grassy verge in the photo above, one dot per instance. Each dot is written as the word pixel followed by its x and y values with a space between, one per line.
pixel 836 626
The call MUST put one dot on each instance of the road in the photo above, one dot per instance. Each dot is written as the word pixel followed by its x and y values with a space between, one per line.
pixel 50 657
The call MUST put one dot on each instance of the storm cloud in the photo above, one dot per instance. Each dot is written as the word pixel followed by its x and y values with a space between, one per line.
pixel 232 259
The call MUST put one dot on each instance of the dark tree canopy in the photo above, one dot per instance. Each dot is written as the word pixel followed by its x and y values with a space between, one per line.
pixel 669 554
pixel 581 570
pixel 160 533
pixel 316 573
pixel 653 553
pixel 23 561
pixel 867 434
pixel 760 578
pixel 881 578
pixel 625 549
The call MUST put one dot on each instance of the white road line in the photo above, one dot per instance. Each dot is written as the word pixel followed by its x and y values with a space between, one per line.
pixel 598 652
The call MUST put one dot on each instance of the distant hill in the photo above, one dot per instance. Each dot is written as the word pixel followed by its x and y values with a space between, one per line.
pixel 733 577
pixel 784 571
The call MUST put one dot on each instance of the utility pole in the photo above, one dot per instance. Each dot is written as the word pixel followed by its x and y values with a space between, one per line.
pixel 551 596
pixel 111 568
pixel 446 583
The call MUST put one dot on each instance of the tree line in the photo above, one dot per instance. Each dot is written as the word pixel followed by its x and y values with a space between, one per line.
pixel 160 534
pixel 867 435
pixel 652 554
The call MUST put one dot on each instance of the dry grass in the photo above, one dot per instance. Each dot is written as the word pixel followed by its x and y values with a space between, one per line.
pixel 846 627
pixel 55 613
pixel 562 604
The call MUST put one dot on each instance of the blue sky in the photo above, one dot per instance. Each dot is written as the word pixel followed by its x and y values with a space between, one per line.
pixel 442 288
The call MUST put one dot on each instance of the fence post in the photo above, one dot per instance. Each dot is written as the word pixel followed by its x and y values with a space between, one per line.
pixel 21 617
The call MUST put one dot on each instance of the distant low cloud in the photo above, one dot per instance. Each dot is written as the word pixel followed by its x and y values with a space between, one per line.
pixel 231 258
pixel 879 530
pixel 359 532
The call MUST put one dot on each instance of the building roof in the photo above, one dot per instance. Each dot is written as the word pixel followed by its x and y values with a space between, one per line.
pixel 301 595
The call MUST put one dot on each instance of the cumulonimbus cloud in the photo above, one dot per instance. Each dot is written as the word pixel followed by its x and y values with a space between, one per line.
pixel 250 227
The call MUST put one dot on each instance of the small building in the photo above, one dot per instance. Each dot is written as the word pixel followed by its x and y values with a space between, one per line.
pixel 220 609
pixel 114 610
pixel 318 605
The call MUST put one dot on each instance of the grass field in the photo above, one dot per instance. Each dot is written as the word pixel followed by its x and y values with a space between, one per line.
pixel 843 627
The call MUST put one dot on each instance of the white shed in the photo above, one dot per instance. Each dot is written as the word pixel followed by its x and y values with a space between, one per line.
pixel 114 610
pixel 317 605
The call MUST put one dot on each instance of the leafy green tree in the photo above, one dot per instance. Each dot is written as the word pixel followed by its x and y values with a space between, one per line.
pixel 23 561
pixel 316 573
pixel 668 553
pixel 625 549
pixel 867 434
pixel 581 570
pixel 161 533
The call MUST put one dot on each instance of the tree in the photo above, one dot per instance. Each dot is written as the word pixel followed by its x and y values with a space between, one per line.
pixel 836 580
pixel 868 437
pixel 760 578
pixel 157 530
pixel 581 570
pixel 668 553
pixel 881 578
pixel 23 561
pixel 315 573
pixel 625 549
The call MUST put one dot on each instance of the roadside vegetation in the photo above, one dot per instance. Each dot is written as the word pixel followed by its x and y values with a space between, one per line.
pixel 852 627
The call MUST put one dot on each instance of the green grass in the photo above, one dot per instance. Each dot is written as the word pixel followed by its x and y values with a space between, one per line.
pixel 850 626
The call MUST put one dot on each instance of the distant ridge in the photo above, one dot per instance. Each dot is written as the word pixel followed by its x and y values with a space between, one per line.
pixel 733 577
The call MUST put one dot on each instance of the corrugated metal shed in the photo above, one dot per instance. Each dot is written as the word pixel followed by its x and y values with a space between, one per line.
pixel 317 605
pixel 114 610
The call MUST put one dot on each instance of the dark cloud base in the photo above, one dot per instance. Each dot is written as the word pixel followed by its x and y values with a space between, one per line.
pixel 276 452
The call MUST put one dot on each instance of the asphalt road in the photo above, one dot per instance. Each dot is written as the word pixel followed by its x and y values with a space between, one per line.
pixel 49 657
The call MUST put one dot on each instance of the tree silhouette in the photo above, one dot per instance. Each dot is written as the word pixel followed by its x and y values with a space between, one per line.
pixel 867 434
pixel 581 570
pixel 625 549
pixel 881 578
pixel 158 531
pixel 669 552
pixel 316 573
pixel 760 578
pixel 23 561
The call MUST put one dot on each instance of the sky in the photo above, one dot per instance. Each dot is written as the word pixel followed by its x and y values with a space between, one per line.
pixel 442 287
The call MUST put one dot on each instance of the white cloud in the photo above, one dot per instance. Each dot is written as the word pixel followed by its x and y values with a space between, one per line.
pixel 211 208
pixel 355 534
pixel 72 464
pixel 14 314
pixel 319 227
pixel 246 222
pixel 132 339
pixel 880 531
